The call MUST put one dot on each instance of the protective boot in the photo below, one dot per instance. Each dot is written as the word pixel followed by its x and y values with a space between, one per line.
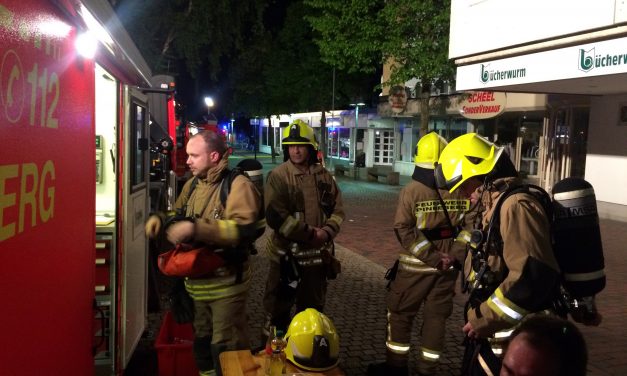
pixel 216 350
pixel 384 369
pixel 202 354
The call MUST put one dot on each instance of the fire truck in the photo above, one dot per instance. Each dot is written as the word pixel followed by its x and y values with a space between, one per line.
pixel 77 124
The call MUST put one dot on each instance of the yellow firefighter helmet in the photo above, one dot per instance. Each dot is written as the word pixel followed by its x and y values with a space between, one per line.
pixel 312 341
pixel 466 156
pixel 299 133
pixel 428 150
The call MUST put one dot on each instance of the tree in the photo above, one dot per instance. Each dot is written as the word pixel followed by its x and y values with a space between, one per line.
pixel 410 35
pixel 259 56
pixel 200 33
pixel 282 72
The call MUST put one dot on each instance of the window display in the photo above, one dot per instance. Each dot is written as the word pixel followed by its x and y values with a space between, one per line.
pixel 338 143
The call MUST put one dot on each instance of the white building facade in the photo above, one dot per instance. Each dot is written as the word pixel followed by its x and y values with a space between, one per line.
pixel 576 53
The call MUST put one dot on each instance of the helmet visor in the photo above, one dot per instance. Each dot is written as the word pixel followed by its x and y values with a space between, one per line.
pixel 442 183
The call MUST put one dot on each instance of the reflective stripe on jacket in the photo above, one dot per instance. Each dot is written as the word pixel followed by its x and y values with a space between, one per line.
pixel 525 269
pixel 422 228
pixel 218 227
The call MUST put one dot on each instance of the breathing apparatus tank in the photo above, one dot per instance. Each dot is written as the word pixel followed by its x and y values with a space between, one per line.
pixel 577 245
pixel 254 170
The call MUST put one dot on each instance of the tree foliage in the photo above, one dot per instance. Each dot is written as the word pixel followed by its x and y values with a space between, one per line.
pixel 350 33
pixel 201 33
pixel 283 72
pixel 258 57
pixel 412 35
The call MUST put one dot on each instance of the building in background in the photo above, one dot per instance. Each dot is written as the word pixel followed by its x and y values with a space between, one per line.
pixel 575 53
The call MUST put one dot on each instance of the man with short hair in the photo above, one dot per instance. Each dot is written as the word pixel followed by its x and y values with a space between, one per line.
pixel 220 321
pixel 545 346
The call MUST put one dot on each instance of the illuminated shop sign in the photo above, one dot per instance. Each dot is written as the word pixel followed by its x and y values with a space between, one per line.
pixel 593 59
pixel 483 105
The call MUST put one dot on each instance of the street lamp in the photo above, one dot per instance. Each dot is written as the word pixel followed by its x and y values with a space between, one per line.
pixel 233 136
pixel 353 146
pixel 357 105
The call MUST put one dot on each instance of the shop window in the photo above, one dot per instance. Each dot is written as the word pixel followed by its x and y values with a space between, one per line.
pixel 579 141
pixel 449 128
pixel 485 127
pixel 530 133
pixel 339 143
pixel 264 135
pixel 458 127
pixel 344 141
pixel 332 142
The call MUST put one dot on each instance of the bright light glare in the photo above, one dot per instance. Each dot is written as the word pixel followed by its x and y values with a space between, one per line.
pixel 96 28
pixel 54 28
pixel 209 101
pixel 86 45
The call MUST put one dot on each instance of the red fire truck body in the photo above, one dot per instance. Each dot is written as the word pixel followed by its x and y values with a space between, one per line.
pixel 74 188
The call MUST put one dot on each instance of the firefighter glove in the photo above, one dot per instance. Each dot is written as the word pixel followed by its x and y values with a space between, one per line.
pixel 153 226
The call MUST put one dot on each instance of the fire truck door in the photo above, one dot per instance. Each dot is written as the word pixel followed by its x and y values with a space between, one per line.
pixel 133 308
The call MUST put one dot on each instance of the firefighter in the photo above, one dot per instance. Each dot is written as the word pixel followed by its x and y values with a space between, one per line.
pixel 220 321
pixel 511 274
pixel 423 273
pixel 304 213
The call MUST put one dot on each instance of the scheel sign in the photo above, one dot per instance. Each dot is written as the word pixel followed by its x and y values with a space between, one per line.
pixel 483 105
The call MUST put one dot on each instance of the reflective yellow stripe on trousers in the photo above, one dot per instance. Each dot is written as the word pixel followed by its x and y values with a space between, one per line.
pixel 395 347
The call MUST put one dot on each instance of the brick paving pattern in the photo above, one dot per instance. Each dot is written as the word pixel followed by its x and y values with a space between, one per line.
pixel 367 246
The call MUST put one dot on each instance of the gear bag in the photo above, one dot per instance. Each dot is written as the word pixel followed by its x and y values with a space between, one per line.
pixel 576 241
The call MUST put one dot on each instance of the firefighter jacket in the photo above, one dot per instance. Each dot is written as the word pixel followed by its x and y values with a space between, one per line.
pixel 220 229
pixel 523 272
pixel 296 202
pixel 421 225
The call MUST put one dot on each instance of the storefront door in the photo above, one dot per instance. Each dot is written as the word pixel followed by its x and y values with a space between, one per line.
pixel 521 136
pixel 384 147
pixel 529 135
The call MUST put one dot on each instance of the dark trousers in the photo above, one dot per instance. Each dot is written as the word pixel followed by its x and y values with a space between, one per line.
pixel 219 325
pixel 279 299
pixel 409 292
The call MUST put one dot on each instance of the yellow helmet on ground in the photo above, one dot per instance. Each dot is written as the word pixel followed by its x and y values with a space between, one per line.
pixel 428 150
pixel 466 156
pixel 299 133
pixel 312 341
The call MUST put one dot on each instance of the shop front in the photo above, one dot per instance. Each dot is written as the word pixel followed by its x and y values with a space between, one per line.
pixel 581 64
pixel 513 120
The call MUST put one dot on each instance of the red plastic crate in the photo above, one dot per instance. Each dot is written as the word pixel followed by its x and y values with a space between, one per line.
pixel 174 348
